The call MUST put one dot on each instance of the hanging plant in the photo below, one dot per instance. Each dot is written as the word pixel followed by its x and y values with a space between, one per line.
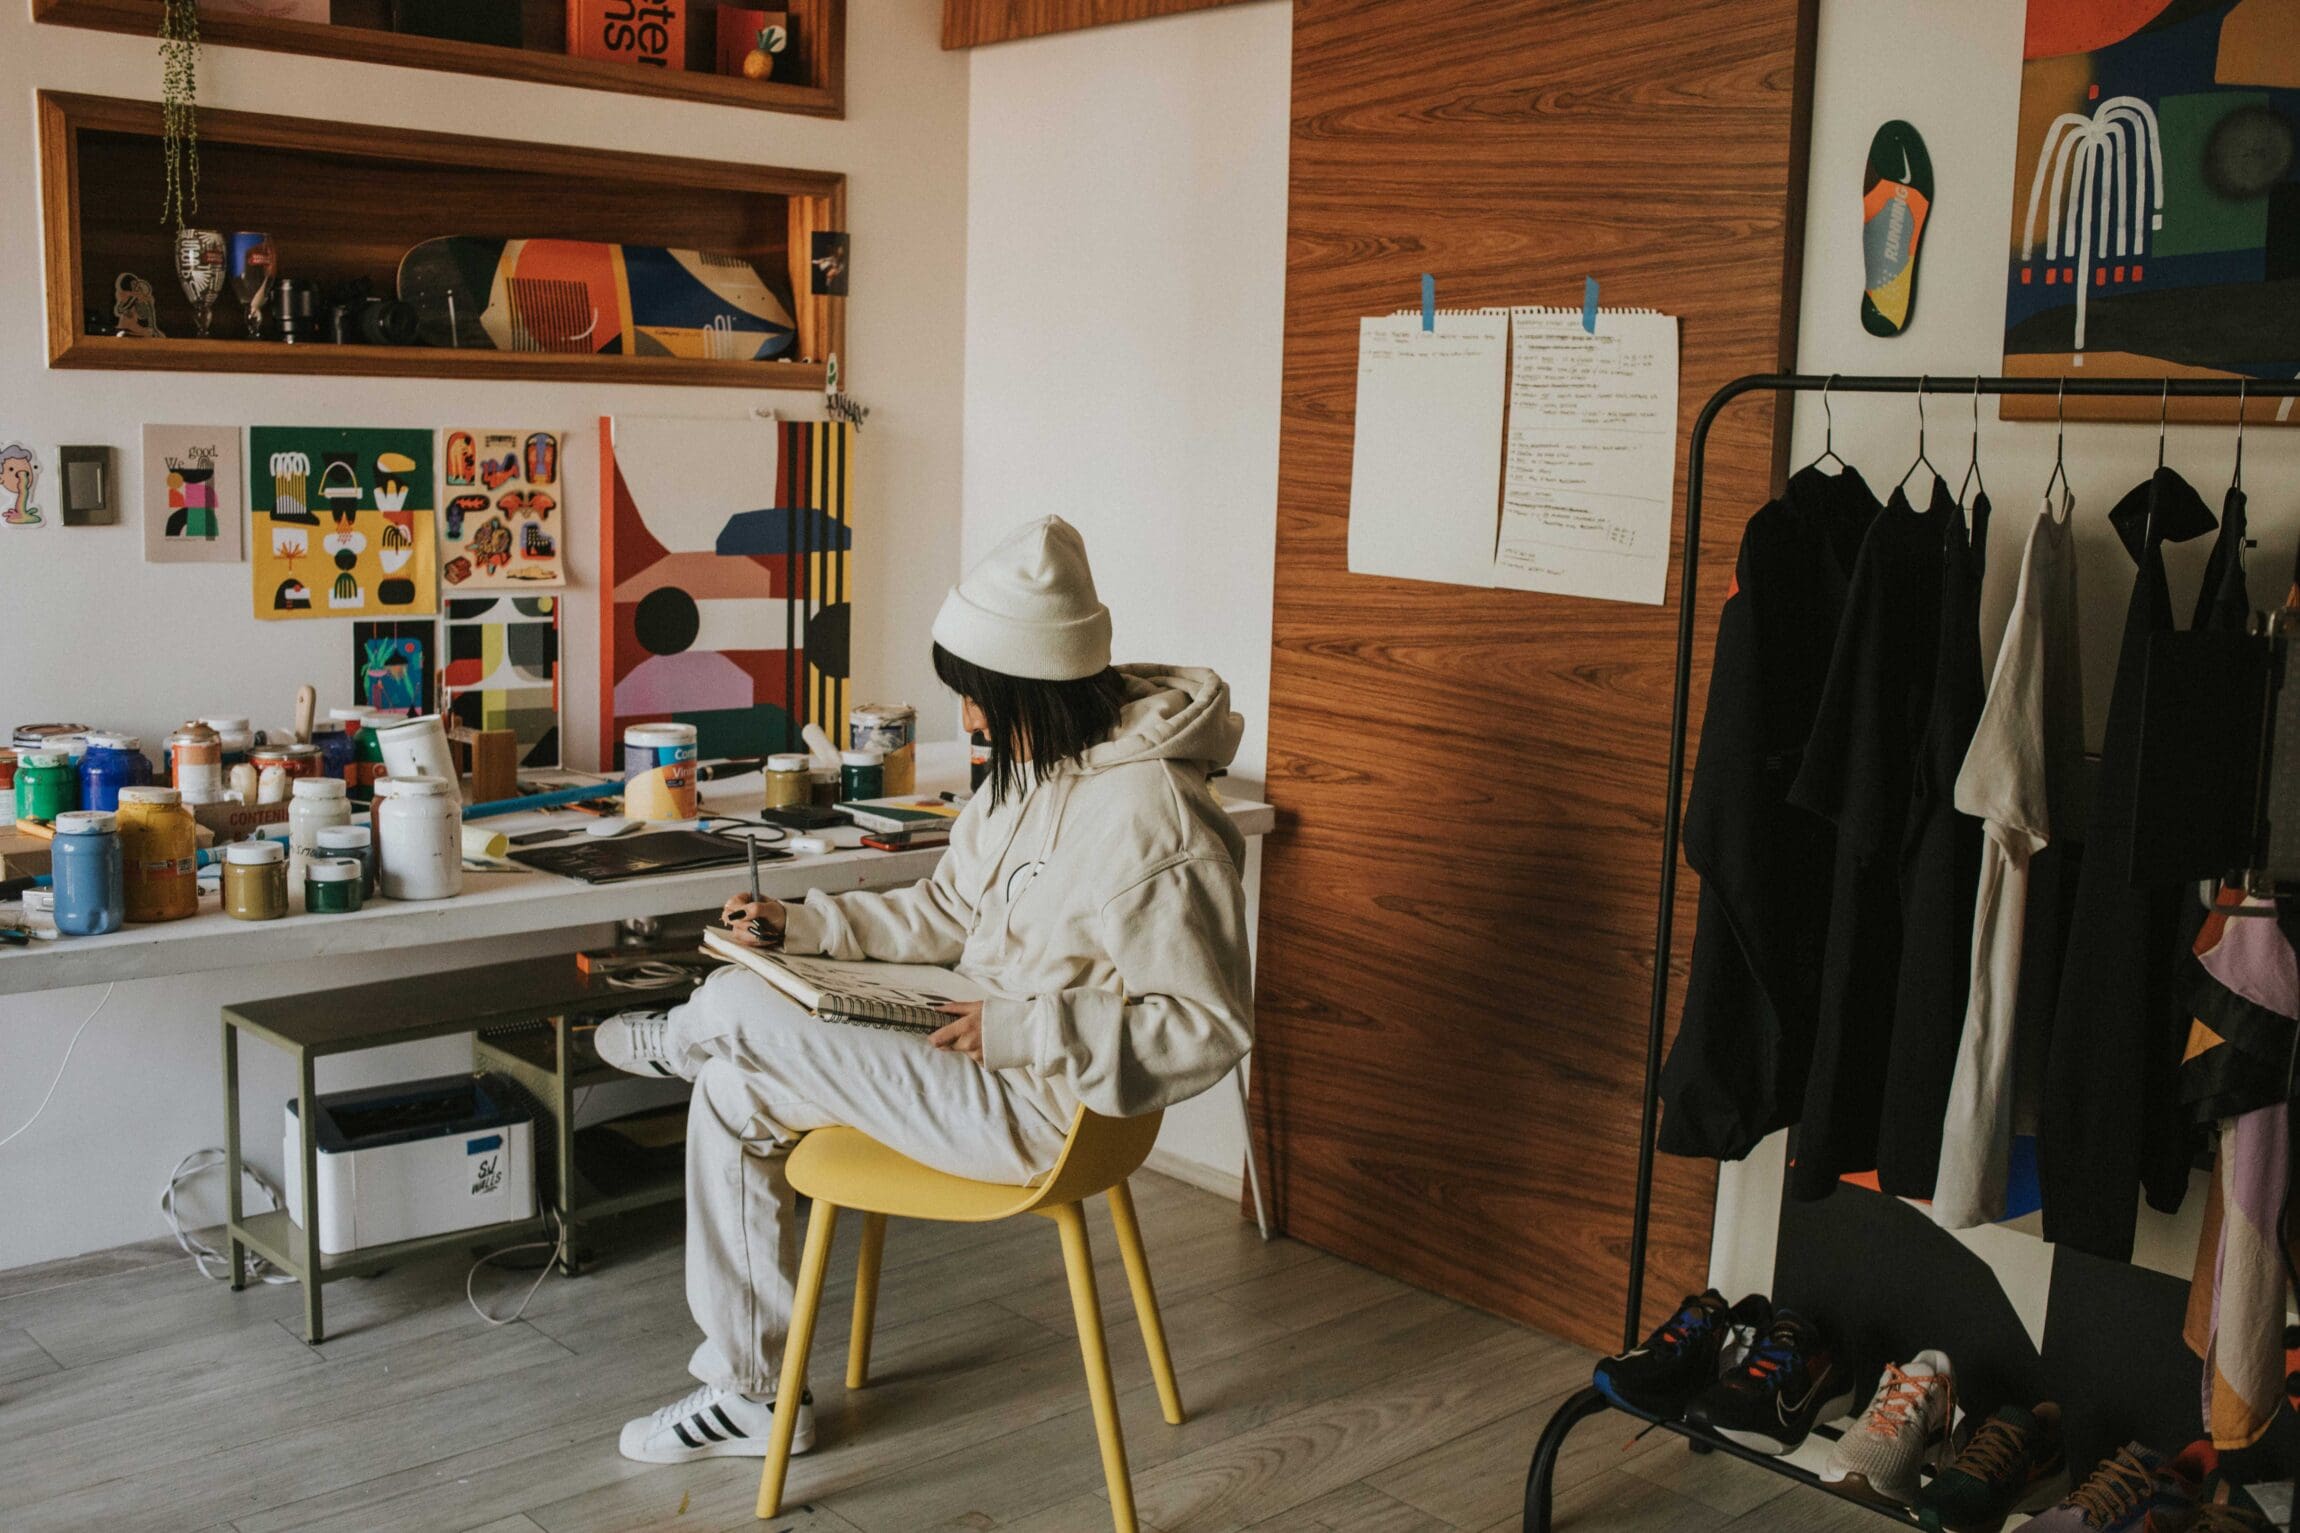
pixel 179 95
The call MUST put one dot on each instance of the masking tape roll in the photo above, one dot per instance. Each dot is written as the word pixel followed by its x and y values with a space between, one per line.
pixel 479 841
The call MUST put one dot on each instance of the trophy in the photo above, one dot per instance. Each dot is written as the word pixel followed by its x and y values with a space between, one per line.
pixel 200 269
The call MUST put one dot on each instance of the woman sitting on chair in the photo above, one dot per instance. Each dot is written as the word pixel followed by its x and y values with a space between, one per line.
pixel 1092 888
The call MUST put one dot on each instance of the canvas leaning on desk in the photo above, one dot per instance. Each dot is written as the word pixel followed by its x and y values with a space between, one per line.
pixel 902 996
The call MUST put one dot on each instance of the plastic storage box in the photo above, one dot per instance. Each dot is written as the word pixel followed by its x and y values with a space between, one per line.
pixel 417 1158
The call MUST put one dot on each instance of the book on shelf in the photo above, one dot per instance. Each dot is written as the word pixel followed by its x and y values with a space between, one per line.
pixel 650 32
pixel 902 996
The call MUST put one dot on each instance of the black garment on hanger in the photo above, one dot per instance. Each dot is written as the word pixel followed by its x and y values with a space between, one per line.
pixel 1858 774
pixel 1737 1069
pixel 1940 878
pixel 2108 1123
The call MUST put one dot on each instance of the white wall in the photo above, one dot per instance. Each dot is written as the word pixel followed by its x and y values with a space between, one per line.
pixel 1125 305
pixel 188 643
pixel 1952 68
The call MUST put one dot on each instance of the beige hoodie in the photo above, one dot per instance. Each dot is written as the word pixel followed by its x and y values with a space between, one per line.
pixel 1103 910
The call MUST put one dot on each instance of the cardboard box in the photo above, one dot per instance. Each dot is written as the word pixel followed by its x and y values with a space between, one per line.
pixel 22 856
pixel 649 32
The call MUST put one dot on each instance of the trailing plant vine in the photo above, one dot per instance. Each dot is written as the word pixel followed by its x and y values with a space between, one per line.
pixel 179 96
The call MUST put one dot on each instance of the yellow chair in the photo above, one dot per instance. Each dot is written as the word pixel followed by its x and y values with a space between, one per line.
pixel 841 1168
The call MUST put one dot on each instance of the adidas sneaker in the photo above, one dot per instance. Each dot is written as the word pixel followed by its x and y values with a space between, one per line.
pixel 1904 1431
pixel 712 1422
pixel 1773 1398
pixel 637 1043
pixel 1683 1356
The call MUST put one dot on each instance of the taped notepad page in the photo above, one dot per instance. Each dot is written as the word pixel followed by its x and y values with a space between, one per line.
pixel 1425 474
pixel 1592 455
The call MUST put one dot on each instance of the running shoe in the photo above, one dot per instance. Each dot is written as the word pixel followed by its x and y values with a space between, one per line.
pixel 1683 1357
pixel 1772 1398
pixel 2013 1463
pixel 2223 1506
pixel 2135 1490
pixel 1904 1431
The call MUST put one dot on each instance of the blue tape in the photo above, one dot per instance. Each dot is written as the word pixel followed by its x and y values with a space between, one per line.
pixel 482 1146
pixel 1429 301
pixel 1589 304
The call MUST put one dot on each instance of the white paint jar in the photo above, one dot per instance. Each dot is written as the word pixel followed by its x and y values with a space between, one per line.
pixel 417 747
pixel 315 804
pixel 418 838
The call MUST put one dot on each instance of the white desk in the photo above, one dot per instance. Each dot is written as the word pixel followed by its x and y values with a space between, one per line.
pixel 491 905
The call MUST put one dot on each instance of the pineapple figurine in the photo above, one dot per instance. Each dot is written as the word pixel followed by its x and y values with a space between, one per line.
pixel 759 63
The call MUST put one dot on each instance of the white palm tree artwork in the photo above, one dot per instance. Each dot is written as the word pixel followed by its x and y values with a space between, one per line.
pixel 2106 176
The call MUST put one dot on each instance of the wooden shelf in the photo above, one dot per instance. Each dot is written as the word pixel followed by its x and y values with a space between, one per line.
pixel 345 202
pixel 814 87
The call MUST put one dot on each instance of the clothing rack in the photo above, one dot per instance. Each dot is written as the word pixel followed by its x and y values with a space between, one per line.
pixel 1588 1402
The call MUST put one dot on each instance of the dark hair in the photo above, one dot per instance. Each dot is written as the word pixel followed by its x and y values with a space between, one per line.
pixel 1056 721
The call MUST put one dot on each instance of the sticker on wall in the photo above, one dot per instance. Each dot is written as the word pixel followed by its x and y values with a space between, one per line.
pixel 340 522
pixel 19 486
pixel 499 494
pixel 394 666
pixel 500 669
pixel 192 495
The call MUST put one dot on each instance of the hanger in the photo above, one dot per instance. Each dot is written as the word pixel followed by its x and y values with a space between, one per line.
pixel 1972 479
pixel 1828 432
pixel 2163 414
pixel 1922 460
pixel 2059 454
pixel 2242 384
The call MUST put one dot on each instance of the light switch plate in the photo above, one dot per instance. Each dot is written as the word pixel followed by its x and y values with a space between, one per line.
pixel 90 493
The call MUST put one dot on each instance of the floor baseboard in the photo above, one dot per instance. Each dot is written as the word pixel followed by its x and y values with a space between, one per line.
pixel 1228 1184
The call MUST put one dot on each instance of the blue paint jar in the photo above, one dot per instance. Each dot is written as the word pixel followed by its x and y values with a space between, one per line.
pixel 91 896
pixel 113 762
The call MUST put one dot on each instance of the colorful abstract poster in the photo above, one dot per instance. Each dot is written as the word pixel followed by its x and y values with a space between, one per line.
pixel 500 669
pixel 192 495
pixel 725 546
pixel 395 666
pixel 500 522
pixel 2156 200
pixel 340 522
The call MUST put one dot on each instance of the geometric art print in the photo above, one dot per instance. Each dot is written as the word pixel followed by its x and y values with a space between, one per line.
pixel 725 547
pixel 499 669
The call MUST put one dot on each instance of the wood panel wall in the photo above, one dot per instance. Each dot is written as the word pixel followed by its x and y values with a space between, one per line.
pixel 1458 908
pixel 972 23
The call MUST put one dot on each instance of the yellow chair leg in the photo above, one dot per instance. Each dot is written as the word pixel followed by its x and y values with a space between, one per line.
pixel 820 1227
pixel 866 1300
pixel 1145 1301
pixel 1086 1305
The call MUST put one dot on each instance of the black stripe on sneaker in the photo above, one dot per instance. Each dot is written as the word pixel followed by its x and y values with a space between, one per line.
pixel 683 1437
pixel 704 1427
pixel 660 1067
pixel 720 1411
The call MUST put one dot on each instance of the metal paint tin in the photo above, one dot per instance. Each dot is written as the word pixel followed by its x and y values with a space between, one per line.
pixel 112 762
pixel 333 886
pixel 196 758
pixel 659 771
pixel 786 781
pixel 862 774
pixel 893 729
pixel 255 881
pixel 160 850
pixel 90 899
pixel 46 785
pixel 292 760
pixel 338 744
pixel 233 733
pixel 71 739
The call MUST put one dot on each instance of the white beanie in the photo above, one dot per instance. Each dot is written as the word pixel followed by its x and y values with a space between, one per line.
pixel 1029 609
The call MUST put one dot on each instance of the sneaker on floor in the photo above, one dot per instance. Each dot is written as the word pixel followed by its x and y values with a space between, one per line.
pixel 637 1043
pixel 712 1422
pixel 1904 1431
pixel 1682 1357
pixel 2135 1490
pixel 2223 1505
pixel 2012 1463
pixel 1772 1398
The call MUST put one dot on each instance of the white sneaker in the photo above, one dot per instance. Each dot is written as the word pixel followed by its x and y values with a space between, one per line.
pixel 1907 1426
pixel 712 1422
pixel 638 1043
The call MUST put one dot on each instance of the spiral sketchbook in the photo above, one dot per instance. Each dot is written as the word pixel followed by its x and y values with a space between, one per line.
pixel 1513 448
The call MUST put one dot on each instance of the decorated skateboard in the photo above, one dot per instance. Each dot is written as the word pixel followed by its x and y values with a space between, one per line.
pixel 584 296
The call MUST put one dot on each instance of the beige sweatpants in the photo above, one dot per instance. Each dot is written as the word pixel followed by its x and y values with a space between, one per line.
pixel 765 1073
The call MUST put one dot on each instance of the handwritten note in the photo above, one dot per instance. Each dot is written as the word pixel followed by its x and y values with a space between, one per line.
pixel 1425 475
pixel 1591 456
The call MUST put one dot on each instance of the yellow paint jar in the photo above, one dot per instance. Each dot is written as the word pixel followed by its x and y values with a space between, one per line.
pixel 159 851
pixel 255 881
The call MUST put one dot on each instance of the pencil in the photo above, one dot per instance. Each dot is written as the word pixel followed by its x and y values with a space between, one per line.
pixel 753 843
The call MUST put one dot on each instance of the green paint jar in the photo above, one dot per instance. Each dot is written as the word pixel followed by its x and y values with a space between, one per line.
pixel 333 886
pixel 46 786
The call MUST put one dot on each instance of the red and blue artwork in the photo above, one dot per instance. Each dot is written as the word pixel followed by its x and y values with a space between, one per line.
pixel 2156 199
pixel 726 547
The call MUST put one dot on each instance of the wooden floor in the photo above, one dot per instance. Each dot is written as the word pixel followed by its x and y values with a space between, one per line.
pixel 1323 1399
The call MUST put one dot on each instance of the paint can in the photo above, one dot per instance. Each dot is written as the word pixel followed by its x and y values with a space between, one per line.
pixel 893 729
pixel 333 886
pixel 293 760
pixel 417 747
pixel 786 781
pixel 314 804
pixel 196 758
pixel 46 786
pixel 418 839
pixel 90 898
pixel 862 774
pixel 71 739
pixel 234 735
pixel 112 762
pixel 7 788
pixel 159 848
pixel 255 881
pixel 338 748
pixel 659 771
